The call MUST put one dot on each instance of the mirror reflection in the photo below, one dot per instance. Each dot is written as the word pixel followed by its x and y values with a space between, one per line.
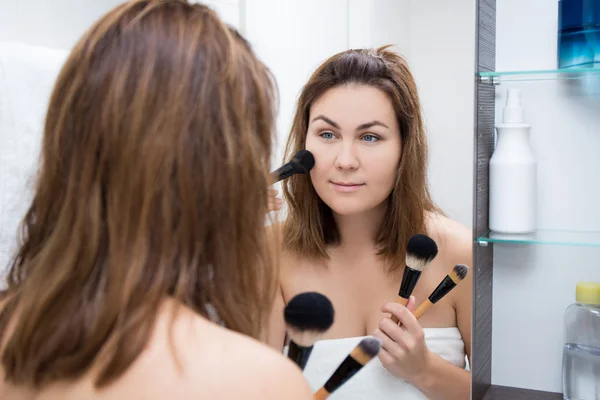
pixel 143 138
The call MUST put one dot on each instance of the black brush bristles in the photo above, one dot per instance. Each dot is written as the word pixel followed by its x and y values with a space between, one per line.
pixel 307 316
pixel 420 251
pixel 303 161
pixel 370 346
pixel 461 271
pixel 309 311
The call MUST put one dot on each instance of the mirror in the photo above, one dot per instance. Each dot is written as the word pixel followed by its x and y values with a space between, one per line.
pixel 293 38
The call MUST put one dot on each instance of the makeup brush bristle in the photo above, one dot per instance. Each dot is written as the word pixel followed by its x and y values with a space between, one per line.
pixel 370 346
pixel 303 161
pixel 307 316
pixel 420 251
pixel 461 271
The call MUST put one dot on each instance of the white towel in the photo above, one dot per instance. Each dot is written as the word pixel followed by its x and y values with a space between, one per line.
pixel 374 381
pixel 27 76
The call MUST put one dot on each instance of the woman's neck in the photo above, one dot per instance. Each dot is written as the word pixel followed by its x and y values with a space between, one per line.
pixel 359 231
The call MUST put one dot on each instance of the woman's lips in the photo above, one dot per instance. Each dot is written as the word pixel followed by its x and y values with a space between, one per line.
pixel 346 186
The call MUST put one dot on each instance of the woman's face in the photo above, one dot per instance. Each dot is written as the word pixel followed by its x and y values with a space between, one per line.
pixel 355 138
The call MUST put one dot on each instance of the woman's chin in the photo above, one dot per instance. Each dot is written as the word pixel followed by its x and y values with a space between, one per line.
pixel 348 209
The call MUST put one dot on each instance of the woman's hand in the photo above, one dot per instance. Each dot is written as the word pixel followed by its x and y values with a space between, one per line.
pixel 274 202
pixel 404 352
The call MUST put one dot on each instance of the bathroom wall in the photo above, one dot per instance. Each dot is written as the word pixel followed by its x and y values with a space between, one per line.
pixel 56 24
pixel 59 23
pixel 442 55
pixel 533 284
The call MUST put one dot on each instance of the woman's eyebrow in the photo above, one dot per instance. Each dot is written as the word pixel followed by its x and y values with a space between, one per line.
pixel 361 127
pixel 324 118
pixel 371 124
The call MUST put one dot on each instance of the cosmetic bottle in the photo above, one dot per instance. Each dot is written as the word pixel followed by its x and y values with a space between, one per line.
pixel 513 173
pixel 578 33
pixel 581 351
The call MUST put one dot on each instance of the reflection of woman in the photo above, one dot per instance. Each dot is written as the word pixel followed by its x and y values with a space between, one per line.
pixel 147 218
pixel 348 224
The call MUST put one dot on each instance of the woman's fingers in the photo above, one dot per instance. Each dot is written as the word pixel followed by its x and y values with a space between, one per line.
pixel 274 202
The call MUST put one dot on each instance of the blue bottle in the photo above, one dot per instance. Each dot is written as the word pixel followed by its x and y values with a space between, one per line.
pixel 578 33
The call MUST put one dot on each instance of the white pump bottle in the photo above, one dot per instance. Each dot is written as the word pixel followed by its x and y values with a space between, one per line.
pixel 513 173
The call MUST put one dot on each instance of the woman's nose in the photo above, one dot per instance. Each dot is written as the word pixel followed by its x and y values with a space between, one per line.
pixel 346 158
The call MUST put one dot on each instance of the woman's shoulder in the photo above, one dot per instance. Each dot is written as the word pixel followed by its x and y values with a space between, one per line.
pixel 229 364
pixel 454 239
pixel 260 372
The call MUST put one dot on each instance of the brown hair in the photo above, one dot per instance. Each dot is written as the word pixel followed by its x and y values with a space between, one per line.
pixel 309 226
pixel 153 183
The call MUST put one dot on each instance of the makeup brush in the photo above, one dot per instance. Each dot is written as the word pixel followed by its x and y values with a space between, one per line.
pixel 307 317
pixel 459 272
pixel 358 358
pixel 420 251
pixel 301 163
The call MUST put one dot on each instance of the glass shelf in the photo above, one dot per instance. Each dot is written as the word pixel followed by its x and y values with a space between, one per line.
pixel 545 237
pixel 496 77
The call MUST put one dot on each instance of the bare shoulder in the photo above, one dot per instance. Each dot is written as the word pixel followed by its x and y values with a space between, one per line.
pixel 268 374
pixel 243 367
pixel 201 359
pixel 455 241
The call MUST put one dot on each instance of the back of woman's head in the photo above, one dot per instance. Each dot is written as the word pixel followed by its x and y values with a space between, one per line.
pixel 153 183
pixel 310 225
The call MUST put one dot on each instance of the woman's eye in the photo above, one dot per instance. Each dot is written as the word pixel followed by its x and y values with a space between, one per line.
pixel 327 135
pixel 370 138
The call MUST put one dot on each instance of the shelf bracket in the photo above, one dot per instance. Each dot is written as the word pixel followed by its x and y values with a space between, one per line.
pixel 490 80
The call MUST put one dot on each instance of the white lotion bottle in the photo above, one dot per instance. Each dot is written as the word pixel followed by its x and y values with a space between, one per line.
pixel 513 173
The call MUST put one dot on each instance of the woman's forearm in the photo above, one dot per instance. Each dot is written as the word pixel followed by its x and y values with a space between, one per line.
pixel 444 380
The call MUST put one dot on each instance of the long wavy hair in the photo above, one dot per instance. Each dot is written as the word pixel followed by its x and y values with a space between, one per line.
pixel 152 184
pixel 310 227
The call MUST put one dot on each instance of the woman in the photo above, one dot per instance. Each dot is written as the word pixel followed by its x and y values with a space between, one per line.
pixel 147 222
pixel 348 224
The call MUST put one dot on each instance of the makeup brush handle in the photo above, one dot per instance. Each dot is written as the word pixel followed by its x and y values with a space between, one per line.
pixel 423 307
pixel 399 300
pixel 299 354
pixel 322 394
